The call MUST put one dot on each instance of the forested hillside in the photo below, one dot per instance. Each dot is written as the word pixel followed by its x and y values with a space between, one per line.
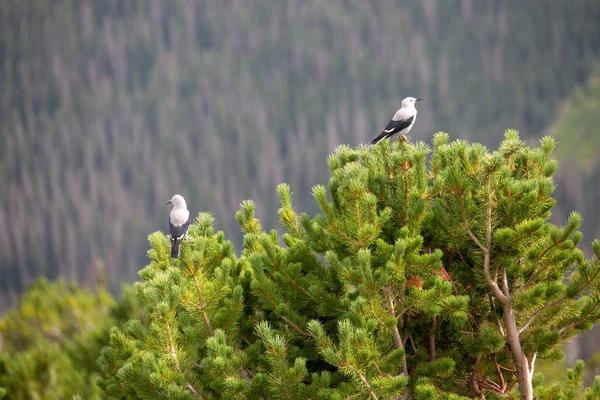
pixel 577 128
pixel 107 108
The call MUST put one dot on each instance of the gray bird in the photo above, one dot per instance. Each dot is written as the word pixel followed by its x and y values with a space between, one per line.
pixel 401 122
pixel 179 222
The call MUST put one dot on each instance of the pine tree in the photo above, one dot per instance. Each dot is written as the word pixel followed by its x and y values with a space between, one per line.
pixel 50 342
pixel 423 276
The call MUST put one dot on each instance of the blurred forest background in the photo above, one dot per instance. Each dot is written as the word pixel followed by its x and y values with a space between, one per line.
pixel 107 108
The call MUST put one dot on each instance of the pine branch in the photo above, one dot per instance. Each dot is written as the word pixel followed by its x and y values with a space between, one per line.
pixel 284 318
pixel 532 363
pixel 540 271
pixel 557 302
pixel 502 384
pixel 505 284
pixel 486 250
pixel 395 331
pixel 432 339
pixel 402 294
pixel 171 347
pixel 201 306
pixel 173 354
pixel 475 240
pixel 405 179
pixel 366 383
pixel 512 333
pixel 296 285
pixel 412 342
pixel 486 383
pixel 293 325
pixel 575 323
pixel 540 311
pixel 473 381
pixel 379 321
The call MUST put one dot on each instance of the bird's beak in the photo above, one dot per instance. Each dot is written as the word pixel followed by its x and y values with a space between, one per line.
pixel 419 99
pixel 169 202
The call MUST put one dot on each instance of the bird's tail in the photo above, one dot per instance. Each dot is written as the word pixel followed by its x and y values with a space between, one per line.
pixel 379 138
pixel 175 245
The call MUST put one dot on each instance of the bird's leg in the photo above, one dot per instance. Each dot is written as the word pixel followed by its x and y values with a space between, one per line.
pixel 403 138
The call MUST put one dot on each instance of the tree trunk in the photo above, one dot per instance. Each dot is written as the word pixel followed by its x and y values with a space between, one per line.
pixel 523 371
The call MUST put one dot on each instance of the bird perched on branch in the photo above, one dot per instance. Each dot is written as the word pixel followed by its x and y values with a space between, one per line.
pixel 401 122
pixel 179 222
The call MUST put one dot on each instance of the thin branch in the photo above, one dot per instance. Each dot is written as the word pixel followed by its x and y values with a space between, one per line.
pixel 395 331
pixel 432 339
pixel 532 363
pixel 170 345
pixel 466 223
pixel 577 321
pixel 405 184
pixel 402 294
pixel 486 253
pixel 192 390
pixel 540 311
pixel 512 371
pixel 366 383
pixel 396 334
pixel 412 342
pixel 293 325
pixel 486 383
pixel 537 274
pixel 173 355
pixel 473 381
pixel 379 321
pixel 201 305
pixel 502 384
pixel 556 302
pixel 500 327
pixel 505 283
pixel 477 242
pixel 491 283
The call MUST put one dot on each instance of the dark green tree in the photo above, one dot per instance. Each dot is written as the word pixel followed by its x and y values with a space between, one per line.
pixel 423 276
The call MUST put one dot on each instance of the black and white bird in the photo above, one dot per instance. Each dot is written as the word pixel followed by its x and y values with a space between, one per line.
pixel 179 222
pixel 401 122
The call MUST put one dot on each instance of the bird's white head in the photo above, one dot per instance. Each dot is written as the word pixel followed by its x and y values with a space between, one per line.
pixel 178 201
pixel 409 102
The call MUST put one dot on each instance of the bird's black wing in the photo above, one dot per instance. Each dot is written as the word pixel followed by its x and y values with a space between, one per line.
pixel 396 126
pixel 179 231
pixel 392 128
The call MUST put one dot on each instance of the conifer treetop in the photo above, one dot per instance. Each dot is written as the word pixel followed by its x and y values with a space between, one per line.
pixel 428 273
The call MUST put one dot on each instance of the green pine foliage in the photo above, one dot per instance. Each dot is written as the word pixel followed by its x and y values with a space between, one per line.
pixel 50 342
pixel 430 272
pixel 573 389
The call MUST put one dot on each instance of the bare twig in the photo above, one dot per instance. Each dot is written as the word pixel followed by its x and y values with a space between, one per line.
pixel 490 385
pixel 432 339
pixel 502 384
